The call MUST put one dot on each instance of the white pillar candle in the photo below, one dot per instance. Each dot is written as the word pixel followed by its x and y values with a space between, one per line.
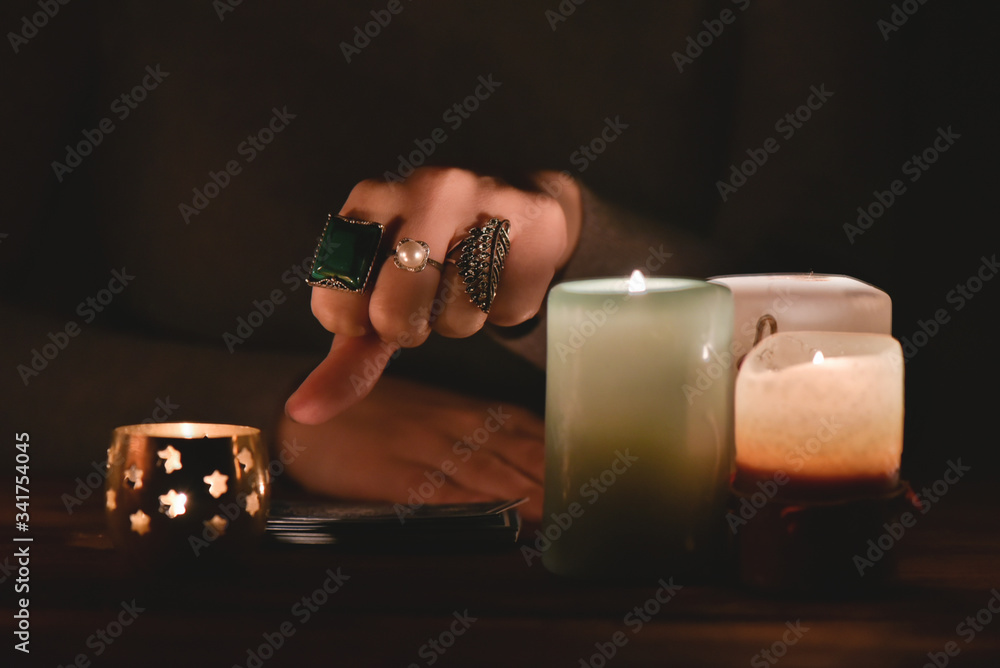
pixel 820 414
pixel 800 302
pixel 637 459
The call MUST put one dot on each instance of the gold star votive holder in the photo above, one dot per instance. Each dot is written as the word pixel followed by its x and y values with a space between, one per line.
pixel 186 493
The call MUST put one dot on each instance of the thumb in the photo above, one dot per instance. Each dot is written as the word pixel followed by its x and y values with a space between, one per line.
pixel 341 380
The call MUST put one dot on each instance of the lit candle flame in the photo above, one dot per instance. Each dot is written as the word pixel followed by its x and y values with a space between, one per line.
pixel 818 357
pixel 636 283
pixel 173 504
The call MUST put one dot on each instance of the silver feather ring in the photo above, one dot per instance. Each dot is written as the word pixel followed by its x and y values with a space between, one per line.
pixel 481 257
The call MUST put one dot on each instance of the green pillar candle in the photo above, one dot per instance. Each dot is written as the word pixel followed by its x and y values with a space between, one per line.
pixel 638 425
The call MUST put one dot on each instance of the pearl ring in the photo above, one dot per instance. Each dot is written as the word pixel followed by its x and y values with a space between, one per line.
pixel 413 255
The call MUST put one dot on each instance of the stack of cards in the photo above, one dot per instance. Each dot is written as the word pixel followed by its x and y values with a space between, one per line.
pixel 360 524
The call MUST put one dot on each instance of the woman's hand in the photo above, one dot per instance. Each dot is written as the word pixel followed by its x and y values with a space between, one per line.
pixel 436 206
pixel 411 444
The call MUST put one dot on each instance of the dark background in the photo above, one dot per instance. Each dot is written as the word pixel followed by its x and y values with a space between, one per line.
pixel 162 336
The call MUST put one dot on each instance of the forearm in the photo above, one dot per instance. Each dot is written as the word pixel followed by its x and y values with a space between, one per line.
pixel 613 242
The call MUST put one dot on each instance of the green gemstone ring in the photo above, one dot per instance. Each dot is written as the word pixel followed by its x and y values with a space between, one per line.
pixel 346 253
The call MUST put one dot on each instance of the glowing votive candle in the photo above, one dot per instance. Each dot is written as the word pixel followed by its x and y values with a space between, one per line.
pixel 799 302
pixel 636 468
pixel 820 414
pixel 186 492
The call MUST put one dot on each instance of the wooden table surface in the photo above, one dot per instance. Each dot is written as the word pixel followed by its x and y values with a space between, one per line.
pixel 391 606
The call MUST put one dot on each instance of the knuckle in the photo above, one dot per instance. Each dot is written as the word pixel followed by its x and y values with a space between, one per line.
pixel 324 313
pixel 507 314
pixel 334 317
pixel 433 181
pixel 368 189
pixel 456 327
pixel 408 330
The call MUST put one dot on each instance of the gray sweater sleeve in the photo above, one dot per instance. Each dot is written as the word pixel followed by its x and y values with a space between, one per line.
pixel 613 242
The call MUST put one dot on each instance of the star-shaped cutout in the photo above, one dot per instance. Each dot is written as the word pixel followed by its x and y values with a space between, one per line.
pixel 216 484
pixel 252 503
pixel 217 523
pixel 134 476
pixel 246 458
pixel 140 522
pixel 172 457
pixel 111 499
pixel 173 504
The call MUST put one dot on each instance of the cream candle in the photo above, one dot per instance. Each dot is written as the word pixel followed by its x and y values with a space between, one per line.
pixel 636 468
pixel 820 414
pixel 798 302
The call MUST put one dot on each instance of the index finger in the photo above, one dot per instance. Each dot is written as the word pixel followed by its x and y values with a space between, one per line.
pixel 343 378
